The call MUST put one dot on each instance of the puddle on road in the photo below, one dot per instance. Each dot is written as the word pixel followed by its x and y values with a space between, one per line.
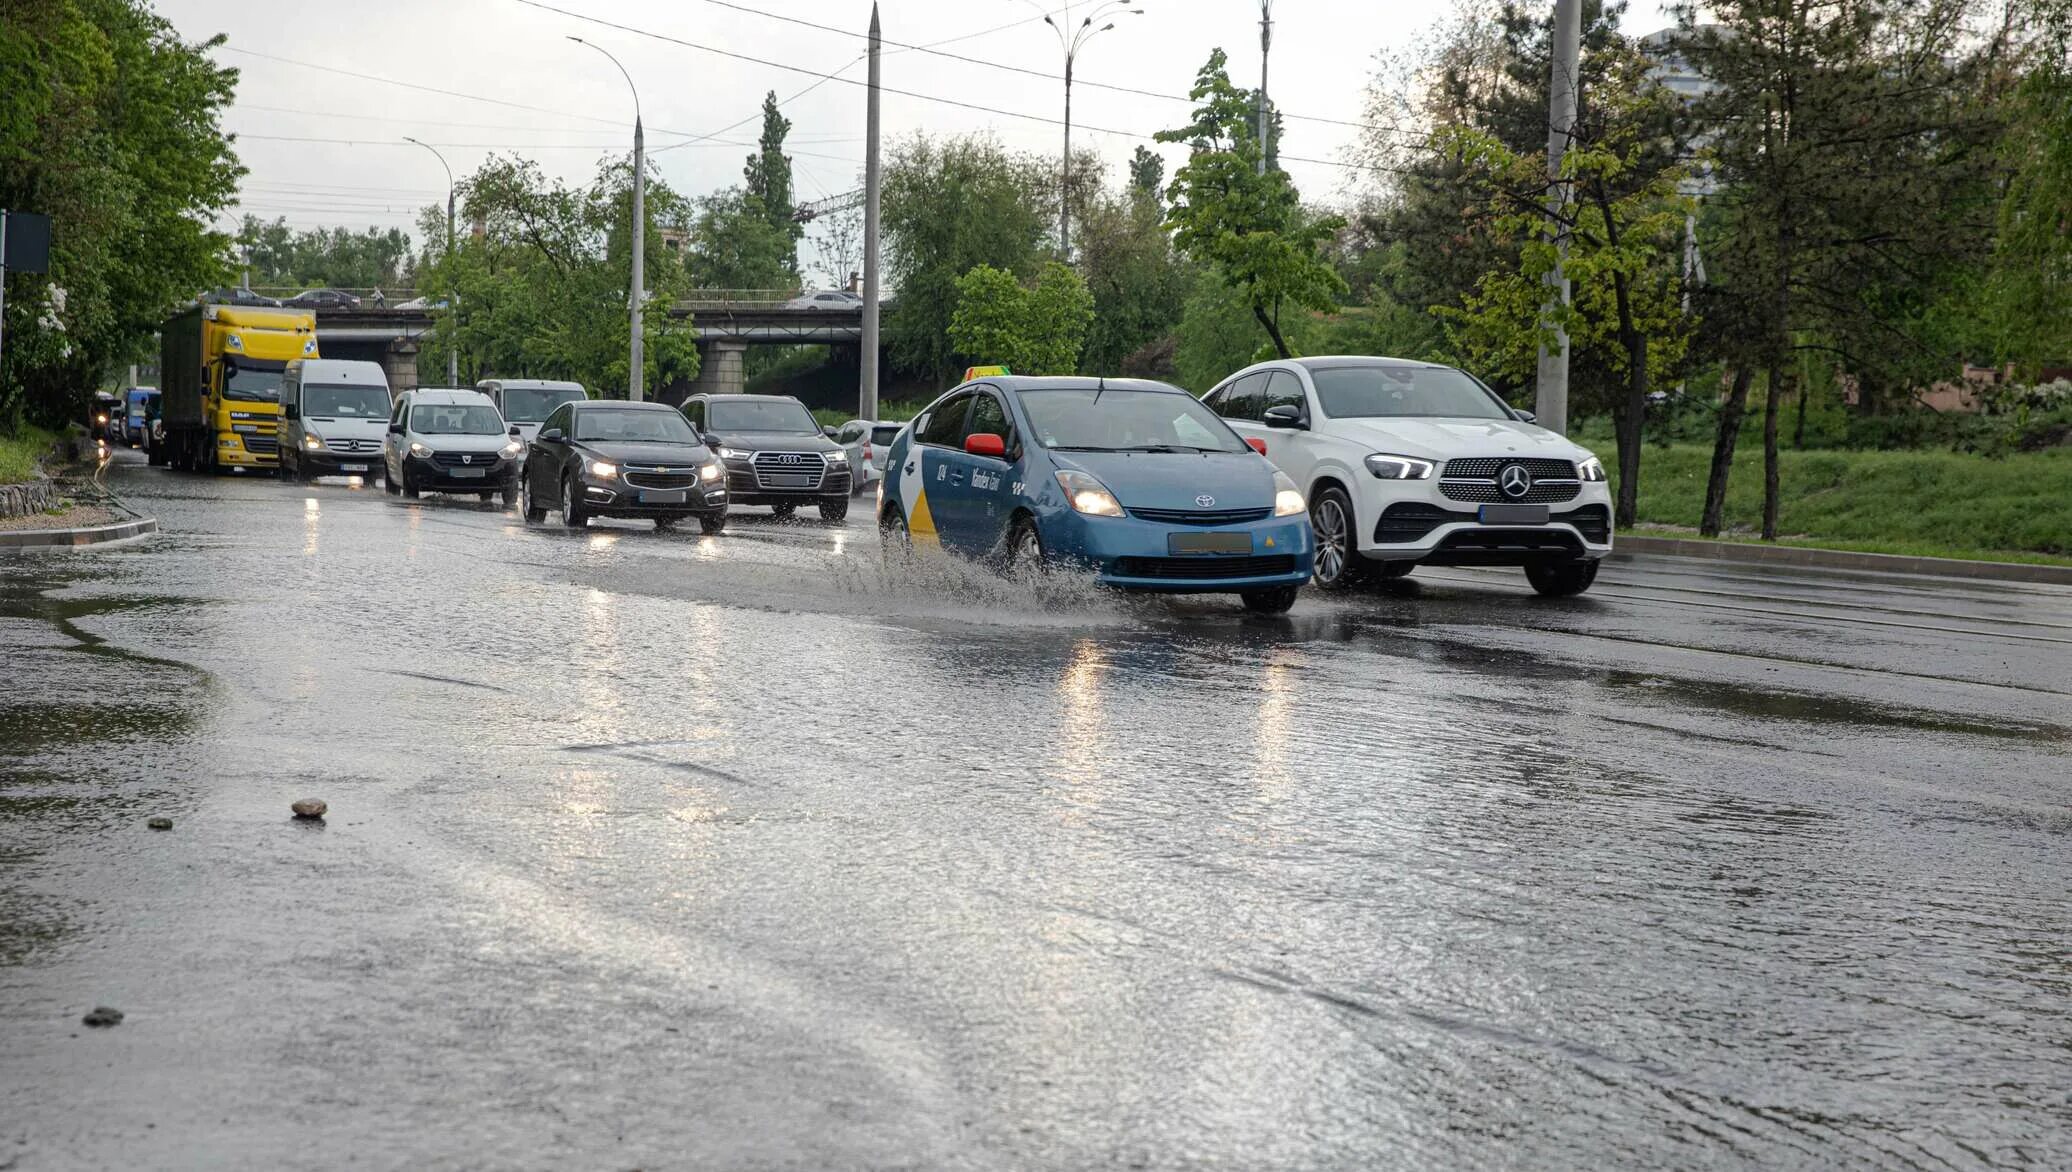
pixel 1814 708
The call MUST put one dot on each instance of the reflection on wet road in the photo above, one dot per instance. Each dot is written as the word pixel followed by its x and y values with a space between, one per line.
pixel 658 850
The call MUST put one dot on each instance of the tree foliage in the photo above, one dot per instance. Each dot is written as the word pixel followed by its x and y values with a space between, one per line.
pixel 1139 284
pixel 767 180
pixel 281 257
pixel 1036 329
pixel 108 125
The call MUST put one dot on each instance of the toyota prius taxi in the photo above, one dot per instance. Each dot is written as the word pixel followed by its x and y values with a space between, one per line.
pixel 1133 479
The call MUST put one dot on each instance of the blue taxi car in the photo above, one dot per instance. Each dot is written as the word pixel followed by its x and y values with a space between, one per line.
pixel 1133 479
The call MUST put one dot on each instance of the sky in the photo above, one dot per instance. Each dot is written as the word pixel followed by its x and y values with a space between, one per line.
pixel 324 147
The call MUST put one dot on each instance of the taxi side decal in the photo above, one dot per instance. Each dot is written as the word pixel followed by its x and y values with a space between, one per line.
pixel 913 496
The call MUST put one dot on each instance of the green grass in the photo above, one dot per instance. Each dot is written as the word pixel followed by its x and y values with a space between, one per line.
pixel 1933 504
pixel 18 453
pixel 887 413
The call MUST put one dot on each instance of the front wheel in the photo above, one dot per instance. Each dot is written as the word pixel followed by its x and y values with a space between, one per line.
pixel 533 510
pixel 711 523
pixel 834 508
pixel 1331 517
pixel 892 530
pixel 1274 601
pixel 1562 579
pixel 783 509
pixel 1024 546
pixel 410 489
pixel 510 492
pixel 572 513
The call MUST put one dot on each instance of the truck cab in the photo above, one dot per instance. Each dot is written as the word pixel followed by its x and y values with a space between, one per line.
pixel 220 368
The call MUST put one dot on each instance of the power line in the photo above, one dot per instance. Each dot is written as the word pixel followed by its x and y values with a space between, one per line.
pixel 512 146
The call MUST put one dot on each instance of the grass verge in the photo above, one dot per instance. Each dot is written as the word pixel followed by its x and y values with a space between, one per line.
pixel 19 453
pixel 887 412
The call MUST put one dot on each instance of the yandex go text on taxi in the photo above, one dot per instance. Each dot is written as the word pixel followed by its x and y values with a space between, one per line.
pixel 1132 479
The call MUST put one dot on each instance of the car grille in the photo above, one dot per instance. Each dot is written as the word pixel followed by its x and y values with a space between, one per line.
pixel 1486 467
pixel 664 480
pixel 353 445
pixel 263 445
pixel 1205 567
pixel 1410 521
pixel 464 459
pixel 1486 492
pixel 795 470
pixel 1511 541
pixel 1202 516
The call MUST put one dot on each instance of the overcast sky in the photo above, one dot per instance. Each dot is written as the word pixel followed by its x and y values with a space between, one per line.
pixel 565 106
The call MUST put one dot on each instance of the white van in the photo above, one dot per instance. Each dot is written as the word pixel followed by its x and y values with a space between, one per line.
pixel 334 415
pixel 524 402
pixel 451 439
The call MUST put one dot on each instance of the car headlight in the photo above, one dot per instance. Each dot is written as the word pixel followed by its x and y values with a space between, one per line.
pixel 420 451
pixel 1088 495
pixel 734 454
pixel 312 441
pixel 602 470
pixel 511 450
pixel 710 472
pixel 1387 467
pixel 1287 499
pixel 1591 469
pixel 836 457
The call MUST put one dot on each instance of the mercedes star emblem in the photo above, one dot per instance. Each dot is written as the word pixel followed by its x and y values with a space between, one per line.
pixel 1514 480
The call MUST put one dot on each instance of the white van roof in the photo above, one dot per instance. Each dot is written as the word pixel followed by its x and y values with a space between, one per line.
pixel 339 370
pixel 449 395
pixel 530 384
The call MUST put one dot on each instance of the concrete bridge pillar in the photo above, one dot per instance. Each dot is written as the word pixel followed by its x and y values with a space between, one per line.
pixel 399 363
pixel 720 373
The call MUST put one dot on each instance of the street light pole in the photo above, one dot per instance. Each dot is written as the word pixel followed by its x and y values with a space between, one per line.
pixel 1072 43
pixel 1550 391
pixel 1265 46
pixel 452 298
pixel 636 372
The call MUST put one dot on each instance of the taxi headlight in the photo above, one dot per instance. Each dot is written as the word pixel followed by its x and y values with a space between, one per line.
pixel 1287 499
pixel 602 470
pixel 1089 495
pixel 710 472
pixel 1591 469
pixel 1387 467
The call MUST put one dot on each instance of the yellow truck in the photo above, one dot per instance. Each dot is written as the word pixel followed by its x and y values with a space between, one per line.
pixel 220 383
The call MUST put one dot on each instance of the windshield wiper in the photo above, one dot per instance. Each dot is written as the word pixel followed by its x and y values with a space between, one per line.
pixel 1163 448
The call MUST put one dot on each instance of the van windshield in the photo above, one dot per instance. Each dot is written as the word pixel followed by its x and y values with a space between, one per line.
pixel 455 419
pixel 533 404
pixel 345 402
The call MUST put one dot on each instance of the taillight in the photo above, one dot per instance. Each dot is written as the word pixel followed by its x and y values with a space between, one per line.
pixel 866 451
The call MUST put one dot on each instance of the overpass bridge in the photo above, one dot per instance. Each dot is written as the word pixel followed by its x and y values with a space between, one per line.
pixel 725 327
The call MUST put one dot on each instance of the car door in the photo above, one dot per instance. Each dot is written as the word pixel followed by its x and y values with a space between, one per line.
pixel 974 517
pixel 1239 402
pixel 925 484
pixel 392 443
pixel 545 462
pixel 1292 450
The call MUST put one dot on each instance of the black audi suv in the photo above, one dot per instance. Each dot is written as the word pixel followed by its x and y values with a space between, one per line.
pixel 775 453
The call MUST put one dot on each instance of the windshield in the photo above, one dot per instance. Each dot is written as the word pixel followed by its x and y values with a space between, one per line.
pixel 886 433
pixel 455 419
pixel 532 404
pixel 1123 420
pixel 1367 392
pixel 777 415
pixel 345 402
pixel 253 386
pixel 661 426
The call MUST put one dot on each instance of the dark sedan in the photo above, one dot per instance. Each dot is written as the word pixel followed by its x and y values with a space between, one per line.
pixel 775 453
pixel 323 299
pixel 606 458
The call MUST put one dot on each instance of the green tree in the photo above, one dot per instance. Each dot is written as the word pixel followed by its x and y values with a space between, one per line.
pixel 1250 225
pixel 949 206
pixel 1147 178
pixel 735 245
pixel 2029 290
pixel 109 125
pixel 1139 284
pixel 374 258
pixel 768 181
pixel 1035 329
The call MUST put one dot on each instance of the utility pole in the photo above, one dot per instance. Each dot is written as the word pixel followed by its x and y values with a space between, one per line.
pixel 1265 47
pixel 1072 43
pixel 1551 387
pixel 452 297
pixel 636 371
pixel 867 359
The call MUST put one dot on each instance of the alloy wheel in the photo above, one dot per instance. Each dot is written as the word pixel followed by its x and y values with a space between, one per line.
pixel 1328 520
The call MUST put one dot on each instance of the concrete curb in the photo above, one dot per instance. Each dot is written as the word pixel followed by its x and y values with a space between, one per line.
pixel 68 538
pixel 1839 559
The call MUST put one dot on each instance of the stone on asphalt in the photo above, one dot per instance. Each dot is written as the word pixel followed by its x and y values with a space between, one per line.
pixel 101 1015
pixel 310 808
pixel 160 824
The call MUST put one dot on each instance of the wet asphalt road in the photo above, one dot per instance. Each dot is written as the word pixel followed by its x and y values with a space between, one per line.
pixel 659 851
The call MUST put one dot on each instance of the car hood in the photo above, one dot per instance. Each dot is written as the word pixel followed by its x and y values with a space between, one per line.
pixel 1445 439
pixel 463 443
pixel 339 427
pixel 1173 480
pixel 782 441
pixel 633 452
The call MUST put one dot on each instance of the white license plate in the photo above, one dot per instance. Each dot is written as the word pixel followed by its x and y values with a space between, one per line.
pixel 352 467
pixel 654 497
pixel 468 473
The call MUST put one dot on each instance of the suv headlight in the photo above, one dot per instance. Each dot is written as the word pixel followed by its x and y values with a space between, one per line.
pixel 1591 469
pixel 836 457
pixel 711 472
pixel 734 454
pixel 419 450
pixel 1088 495
pixel 1387 467
pixel 602 470
pixel 1287 499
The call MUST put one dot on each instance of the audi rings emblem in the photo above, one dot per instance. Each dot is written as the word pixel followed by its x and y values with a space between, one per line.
pixel 1514 480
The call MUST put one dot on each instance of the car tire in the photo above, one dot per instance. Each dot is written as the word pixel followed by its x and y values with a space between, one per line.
pixel 665 524
pixel 1562 579
pixel 783 509
pixel 1274 600
pixel 834 508
pixel 509 492
pixel 1024 547
pixel 1338 556
pixel 287 472
pixel 393 485
pixel 572 514
pixel 1387 570
pixel 892 529
pixel 534 513
pixel 410 489
pixel 711 524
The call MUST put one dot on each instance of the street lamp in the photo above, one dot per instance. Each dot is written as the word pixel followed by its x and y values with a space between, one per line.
pixel 1072 42
pixel 1265 46
pixel 636 372
pixel 452 297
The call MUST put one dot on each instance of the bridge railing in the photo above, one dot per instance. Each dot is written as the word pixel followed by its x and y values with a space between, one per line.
pixel 735 298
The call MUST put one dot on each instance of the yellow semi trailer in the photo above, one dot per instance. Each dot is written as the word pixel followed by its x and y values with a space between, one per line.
pixel 220 383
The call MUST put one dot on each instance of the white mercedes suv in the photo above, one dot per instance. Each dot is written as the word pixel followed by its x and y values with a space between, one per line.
pixel 1410 463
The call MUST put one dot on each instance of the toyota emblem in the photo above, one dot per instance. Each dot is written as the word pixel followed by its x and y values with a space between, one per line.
pixel 1514 480
pixel 1205 501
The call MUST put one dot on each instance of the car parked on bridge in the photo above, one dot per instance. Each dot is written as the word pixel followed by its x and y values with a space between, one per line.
pixel 834 299
pixel 334 418
pixel 1411 463
pixel 1133 479
pixel 866 442
pixel 775 453
pixel 610 458
pixel 240 296
pixel 450 439
pixel 526 402
pixel 323 299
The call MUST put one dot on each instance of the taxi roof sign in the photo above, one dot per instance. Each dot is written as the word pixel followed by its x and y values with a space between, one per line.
pixel 972 372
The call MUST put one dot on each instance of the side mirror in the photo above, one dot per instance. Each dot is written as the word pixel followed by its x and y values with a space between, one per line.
pixel 291 411
pixel 551 436
pixel 985 443
pixel 515 433
pixel 829 432
pixel 395 429
pixel 1527 416
pixel 1286 415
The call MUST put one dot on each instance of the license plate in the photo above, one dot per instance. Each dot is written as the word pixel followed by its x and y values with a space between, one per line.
pixel 653 497
pixel 479 473
pixel 352 467
pixel 1209 543
pixel 1514 514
